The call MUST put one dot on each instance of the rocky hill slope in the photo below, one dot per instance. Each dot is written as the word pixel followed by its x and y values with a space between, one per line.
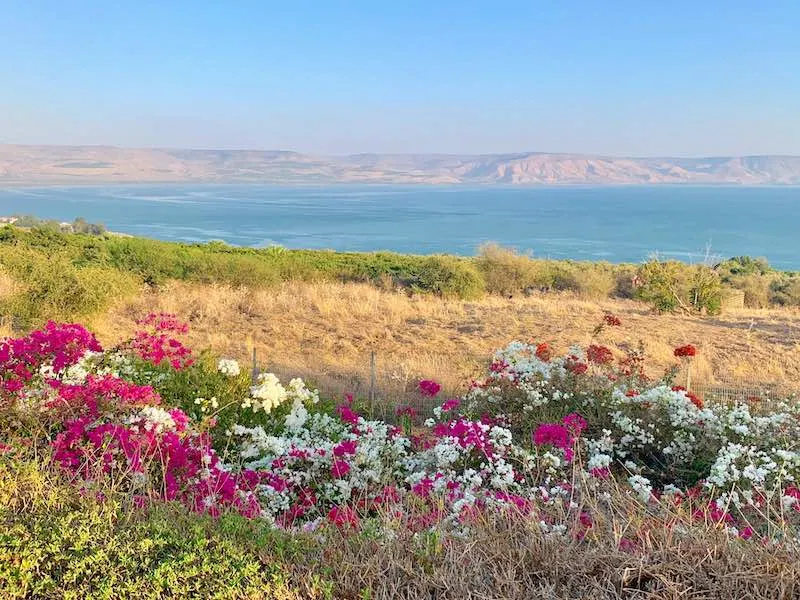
pixel 103 164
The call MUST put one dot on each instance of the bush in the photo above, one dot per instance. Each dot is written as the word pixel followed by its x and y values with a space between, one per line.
pixel 505 271
pixel 52 288
pixel 57 543
pixel 671 285
pixel 785 291
pixel 450 277
pixel 756 289
pixel 596 280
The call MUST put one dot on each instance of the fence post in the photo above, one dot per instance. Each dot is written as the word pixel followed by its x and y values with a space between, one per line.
pixel 689 376
pixel 254 375
pixel 371 381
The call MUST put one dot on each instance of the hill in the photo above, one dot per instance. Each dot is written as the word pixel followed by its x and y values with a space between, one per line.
pixel 105 164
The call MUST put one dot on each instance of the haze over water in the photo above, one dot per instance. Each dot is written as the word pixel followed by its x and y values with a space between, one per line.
pixel 618 224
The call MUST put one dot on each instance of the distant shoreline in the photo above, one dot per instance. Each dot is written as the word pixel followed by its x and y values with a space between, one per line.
pixel 7 185
pixel 68 165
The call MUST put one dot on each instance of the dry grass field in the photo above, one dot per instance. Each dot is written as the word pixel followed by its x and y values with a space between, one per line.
pixel 327 331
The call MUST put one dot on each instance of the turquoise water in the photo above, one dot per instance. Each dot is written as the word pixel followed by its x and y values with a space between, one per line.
pixel 617 224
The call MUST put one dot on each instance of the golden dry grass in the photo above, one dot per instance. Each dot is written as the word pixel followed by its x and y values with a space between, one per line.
pixel 8 287
pixel 327 331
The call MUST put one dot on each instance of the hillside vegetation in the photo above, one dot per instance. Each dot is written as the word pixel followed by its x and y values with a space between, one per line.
pixel 63 275
pixel 321 314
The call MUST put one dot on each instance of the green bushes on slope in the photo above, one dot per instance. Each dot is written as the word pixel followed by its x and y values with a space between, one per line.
pixel 70 275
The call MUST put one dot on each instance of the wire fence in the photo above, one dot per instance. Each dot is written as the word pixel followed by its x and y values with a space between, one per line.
pixel 757 394
pixel 383 388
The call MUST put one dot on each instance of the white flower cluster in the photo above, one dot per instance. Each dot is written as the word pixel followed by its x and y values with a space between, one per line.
pixel 151 418
pixel 229 367
pixel 641 485
pixel 268 394
pixel 747 466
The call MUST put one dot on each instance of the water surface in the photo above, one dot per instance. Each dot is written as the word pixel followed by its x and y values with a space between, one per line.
pixel 618 224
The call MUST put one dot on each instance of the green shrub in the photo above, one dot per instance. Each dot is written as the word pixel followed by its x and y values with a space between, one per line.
pixel 671 285
pixel 450 277
pixel 52 288
pixel 505 271
pixel 785 291
pixel 55 543
pixel 744 265
pixel 495 270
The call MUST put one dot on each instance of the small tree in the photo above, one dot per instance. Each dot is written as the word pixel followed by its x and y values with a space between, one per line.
pixel 672 286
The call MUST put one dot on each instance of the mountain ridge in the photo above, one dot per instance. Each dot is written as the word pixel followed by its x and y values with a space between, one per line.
pixel 31 164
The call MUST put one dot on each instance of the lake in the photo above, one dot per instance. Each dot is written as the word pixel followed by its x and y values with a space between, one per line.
pixel 618 224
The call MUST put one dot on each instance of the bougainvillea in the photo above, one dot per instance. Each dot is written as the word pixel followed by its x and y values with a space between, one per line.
pixel 537 435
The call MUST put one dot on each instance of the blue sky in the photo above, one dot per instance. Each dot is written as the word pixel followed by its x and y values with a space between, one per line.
pixel 609 77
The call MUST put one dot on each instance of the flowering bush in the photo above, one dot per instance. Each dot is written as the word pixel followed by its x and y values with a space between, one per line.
pixel 542 436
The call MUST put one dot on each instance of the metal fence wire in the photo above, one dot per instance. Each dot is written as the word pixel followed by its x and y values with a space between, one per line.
pixel 383 388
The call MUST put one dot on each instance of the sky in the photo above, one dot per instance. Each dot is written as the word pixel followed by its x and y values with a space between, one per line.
pixel 614 77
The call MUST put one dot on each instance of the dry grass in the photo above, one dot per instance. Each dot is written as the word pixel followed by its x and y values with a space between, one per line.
pixel 503 556
pixel 328 330
pixel 8 287
pixel 512 561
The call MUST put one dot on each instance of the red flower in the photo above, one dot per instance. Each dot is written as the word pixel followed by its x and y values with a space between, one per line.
pixel 612 320
pixel 573 365
pixel 696 400
pixel 404 410
pixel 599 355
pixel 685 351
pixel 544 352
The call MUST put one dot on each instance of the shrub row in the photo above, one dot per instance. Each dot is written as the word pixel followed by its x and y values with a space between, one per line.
pixel 71 275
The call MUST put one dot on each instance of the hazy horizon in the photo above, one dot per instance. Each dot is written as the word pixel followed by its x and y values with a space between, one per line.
pixel 624 79
pixel 454 154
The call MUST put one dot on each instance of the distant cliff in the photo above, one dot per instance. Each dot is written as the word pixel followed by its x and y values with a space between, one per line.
pixel 105 164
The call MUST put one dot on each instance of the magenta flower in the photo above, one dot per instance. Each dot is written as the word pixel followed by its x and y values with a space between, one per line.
pixel 451 405
pixel 552 434
pixel 343 517
pixel 429 388
pixel 340 469
pixel 405 410
pixel 347 414
pixel 344 448
pixel 575 423
pixel 424 488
